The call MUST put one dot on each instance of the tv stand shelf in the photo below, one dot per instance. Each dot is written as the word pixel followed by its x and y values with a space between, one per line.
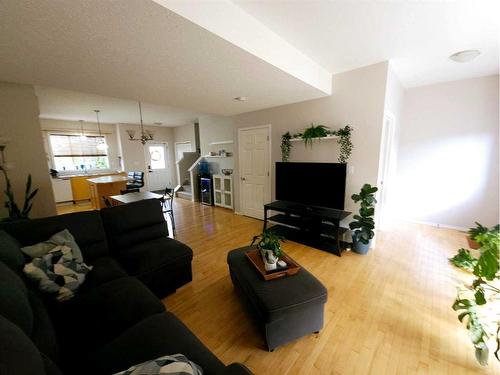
pixel 318 227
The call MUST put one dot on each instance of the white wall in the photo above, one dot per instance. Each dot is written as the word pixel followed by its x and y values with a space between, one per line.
pixel 185 134
pixel 133 152
pixel 216 129
pixel 448 167
pixel 19 122
pixel 73 127
pixel 358 100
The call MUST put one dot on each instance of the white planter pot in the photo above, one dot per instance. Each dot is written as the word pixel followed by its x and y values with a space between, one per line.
pixel 269 259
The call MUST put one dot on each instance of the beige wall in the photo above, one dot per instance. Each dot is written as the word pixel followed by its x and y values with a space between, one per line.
pixel 448 166
pixel 185 134
pixel 133 153
pixel 73 127
pixel 216 129
pixel 19 122
pixel 357 99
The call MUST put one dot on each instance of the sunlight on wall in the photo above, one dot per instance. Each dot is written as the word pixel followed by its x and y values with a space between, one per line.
pixel 442 175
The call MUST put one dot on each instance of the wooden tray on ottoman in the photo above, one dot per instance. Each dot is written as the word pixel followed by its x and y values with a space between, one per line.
pixel 258 263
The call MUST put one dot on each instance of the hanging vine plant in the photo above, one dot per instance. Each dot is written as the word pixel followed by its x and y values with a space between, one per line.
pixel 286 146
pixel 318 132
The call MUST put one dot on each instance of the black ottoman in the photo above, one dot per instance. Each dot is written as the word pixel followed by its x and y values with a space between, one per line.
pixel 287 308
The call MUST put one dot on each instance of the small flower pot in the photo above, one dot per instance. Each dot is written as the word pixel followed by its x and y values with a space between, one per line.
pixel 359 247
pixel 472 244
pixel 270 260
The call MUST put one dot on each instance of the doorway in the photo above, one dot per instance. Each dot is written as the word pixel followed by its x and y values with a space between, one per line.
pixel 158 175
pixel 387 165
pixel 254 150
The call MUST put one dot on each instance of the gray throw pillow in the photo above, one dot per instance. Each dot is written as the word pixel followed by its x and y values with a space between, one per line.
pixel 62 238
pixel 176 364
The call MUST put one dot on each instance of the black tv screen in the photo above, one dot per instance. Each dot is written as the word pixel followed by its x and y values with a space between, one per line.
pixel 312 184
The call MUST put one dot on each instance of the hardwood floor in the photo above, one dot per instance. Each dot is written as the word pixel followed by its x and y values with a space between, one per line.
pixel 388 312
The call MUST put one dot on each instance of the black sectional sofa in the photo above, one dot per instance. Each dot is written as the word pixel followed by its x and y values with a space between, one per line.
pixel 115 320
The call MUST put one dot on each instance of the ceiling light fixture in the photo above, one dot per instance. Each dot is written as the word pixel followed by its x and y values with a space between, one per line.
pixel 241 98
pixel 102 141
pixel 146 135
pixel 465 56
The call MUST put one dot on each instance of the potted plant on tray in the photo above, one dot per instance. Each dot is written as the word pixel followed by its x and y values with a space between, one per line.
pixel 269 245
pixel 363 223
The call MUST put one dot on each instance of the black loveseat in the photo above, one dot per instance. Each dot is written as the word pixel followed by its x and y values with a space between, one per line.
pixel 116 319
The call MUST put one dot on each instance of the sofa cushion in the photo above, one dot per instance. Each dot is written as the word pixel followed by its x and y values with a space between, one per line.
pixel 104 269
pixel 163 264
pixel 14 301
pixel 18 355
pixel 43 333
pixel 151 255
pixel 86 227
pixel 10 252
pixel 153 337
pixel 132 224
pixel 102 313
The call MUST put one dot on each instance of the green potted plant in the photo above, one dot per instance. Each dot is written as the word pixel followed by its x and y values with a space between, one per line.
pixel 478 302
pixel 363 223
pixel 473 232
pixel 269 245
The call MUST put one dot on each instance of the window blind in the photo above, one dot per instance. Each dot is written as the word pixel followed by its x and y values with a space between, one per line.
pixel 75 145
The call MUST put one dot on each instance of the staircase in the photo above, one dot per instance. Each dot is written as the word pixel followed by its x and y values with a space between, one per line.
pixel 185 192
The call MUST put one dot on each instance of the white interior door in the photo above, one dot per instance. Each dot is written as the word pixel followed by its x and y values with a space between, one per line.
pixel 386 171
pixel 157 163
pixel 254 162
pixel 181 148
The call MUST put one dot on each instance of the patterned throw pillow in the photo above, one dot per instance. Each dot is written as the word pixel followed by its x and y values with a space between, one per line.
pixel 58 272
pixel 176 364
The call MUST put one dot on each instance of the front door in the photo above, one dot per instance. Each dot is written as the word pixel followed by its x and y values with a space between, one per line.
pixel 157 163
pixel 254 169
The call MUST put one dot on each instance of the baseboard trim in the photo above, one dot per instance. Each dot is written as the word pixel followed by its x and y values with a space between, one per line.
pixel 436 225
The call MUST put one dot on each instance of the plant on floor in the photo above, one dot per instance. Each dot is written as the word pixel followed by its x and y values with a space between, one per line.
pixel 269 244
pixel 478 304
pixel 363 223
pixel 15 212
pixel 319 131
pixel 473 232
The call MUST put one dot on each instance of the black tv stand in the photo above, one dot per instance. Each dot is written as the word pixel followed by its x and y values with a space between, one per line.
pixel 314 226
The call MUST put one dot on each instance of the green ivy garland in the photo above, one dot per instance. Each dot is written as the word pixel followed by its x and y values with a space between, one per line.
pixel 319 131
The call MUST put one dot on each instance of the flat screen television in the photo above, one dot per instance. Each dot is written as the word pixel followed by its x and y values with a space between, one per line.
pixel 311 184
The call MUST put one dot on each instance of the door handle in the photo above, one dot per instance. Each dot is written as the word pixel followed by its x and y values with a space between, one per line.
pixel 243 179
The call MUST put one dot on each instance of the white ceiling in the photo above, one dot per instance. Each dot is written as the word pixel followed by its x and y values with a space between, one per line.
pixel 61 104
pixel 136 49
pixel 416 36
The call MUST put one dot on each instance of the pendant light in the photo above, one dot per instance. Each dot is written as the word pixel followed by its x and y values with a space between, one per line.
pixel 102 146
pixel 146 135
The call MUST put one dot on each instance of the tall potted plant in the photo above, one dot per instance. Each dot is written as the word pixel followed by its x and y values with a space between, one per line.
pixel 269 245
pixel 363 223
pixel 478 303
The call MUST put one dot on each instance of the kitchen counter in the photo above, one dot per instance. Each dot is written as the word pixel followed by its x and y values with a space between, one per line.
pixel 107 179
pixel 101 188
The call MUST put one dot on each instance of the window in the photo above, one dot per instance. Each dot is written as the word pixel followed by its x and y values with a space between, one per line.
pixel 157 156
pixel 74 152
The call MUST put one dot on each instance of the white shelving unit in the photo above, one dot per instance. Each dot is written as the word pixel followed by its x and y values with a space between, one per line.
pixel 221 143
pixel 321 138
pixel 223 191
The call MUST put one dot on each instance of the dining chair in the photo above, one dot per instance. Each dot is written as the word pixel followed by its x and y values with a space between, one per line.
pixel 167 202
